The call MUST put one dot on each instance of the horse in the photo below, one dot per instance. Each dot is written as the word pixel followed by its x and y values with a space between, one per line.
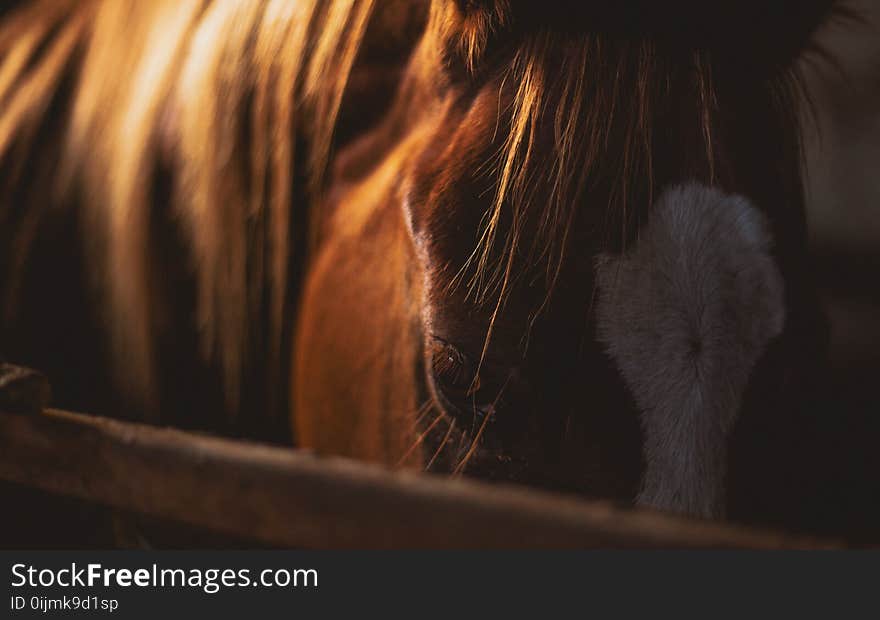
pixel 561 245
pixel 532 215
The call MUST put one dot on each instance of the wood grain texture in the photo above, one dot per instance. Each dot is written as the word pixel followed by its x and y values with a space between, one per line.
pixel 291 499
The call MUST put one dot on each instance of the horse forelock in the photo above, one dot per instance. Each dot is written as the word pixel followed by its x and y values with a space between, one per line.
pixel 580 113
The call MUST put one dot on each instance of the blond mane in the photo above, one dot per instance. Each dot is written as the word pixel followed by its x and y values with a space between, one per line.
pixel 216 91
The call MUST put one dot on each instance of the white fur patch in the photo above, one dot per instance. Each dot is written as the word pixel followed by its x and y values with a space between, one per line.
pixel 685 314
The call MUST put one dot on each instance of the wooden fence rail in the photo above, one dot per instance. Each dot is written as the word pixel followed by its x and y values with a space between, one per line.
pixel 289 498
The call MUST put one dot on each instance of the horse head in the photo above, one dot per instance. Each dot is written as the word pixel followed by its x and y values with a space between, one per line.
pixel 589 224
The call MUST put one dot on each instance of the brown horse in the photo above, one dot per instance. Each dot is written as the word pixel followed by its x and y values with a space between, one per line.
pixel 561 245
pixel 454 292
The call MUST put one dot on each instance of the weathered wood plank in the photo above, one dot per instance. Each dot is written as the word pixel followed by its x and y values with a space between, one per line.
pixel 292 499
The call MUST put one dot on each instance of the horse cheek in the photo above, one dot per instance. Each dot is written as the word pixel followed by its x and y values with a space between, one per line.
pixel 354 383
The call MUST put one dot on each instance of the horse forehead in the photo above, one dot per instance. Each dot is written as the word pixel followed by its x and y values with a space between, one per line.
pixel 451 183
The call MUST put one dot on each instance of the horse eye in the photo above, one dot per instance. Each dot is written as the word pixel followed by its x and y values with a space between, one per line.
pixel 454 373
